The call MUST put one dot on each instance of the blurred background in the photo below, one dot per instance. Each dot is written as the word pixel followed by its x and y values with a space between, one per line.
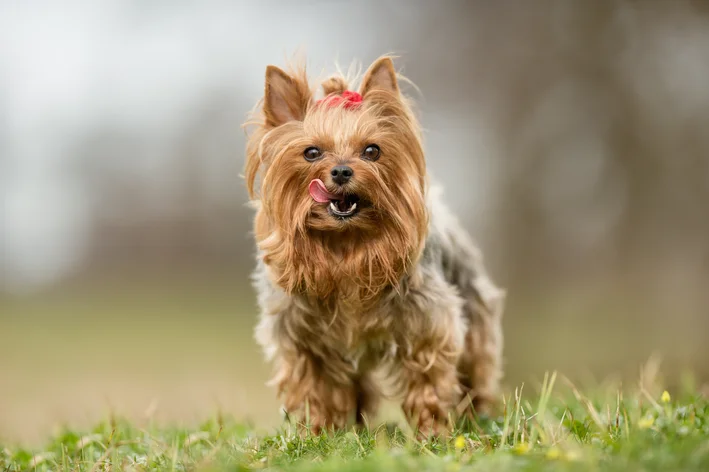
pixel 571 137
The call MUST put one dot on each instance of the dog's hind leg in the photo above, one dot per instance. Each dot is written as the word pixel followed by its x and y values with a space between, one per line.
pixel 480 365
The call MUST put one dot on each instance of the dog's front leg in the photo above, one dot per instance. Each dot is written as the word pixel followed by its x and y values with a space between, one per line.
pixel 430 345
pixel 432 389
pixel 317 389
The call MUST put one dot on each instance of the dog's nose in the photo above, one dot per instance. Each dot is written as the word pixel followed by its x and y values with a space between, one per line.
pixel 341 174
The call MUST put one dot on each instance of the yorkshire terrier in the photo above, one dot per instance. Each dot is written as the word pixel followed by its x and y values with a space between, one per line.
pixel 369 287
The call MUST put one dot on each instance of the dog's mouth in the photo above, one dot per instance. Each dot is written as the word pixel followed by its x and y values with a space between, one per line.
pixel 344 207
pixel 340 205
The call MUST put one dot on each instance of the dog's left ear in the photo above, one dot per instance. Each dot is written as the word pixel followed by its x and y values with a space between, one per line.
pixel 286 98
pixel 380 77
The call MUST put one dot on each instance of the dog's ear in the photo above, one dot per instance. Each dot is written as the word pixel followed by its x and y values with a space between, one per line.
pixel 381 77
pixel 286 99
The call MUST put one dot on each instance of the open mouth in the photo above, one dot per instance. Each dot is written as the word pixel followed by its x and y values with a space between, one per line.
pixel 339 205
pixel 344 207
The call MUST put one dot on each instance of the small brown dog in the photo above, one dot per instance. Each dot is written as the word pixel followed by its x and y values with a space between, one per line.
pixel 362 270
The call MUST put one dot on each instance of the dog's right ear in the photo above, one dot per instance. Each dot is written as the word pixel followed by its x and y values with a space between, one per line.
pixel 286 99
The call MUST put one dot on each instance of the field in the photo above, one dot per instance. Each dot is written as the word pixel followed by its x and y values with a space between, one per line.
pixel 551 426
pixel 139 388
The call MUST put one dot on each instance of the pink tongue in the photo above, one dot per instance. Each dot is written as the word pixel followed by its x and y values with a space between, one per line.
pixel 319 192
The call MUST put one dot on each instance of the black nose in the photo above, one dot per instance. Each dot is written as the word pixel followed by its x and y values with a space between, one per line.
pixel 341 174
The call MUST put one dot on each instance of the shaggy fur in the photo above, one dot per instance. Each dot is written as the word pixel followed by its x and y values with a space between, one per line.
pixel 398 288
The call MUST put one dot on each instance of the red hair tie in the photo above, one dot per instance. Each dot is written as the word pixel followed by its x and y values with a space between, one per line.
pixel 348 99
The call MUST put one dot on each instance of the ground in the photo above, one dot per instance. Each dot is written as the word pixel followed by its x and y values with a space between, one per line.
pixel 554 426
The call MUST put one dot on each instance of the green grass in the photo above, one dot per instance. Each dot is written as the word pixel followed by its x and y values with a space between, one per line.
pixel 555 427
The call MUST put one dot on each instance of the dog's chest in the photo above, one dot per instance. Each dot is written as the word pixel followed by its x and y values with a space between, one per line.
pixel 371 352
pixel 362 337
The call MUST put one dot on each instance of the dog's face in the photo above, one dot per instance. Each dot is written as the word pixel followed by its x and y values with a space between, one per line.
pixel 341 177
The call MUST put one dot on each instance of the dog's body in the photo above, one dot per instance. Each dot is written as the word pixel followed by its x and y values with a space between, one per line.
pixel 394 286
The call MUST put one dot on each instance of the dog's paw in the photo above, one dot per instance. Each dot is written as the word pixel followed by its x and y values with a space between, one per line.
pixel 317 416
pixel 432 428
pixel 319 422
pixel 427 412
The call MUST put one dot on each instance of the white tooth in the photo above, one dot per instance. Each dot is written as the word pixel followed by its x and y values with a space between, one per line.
pixel 353 207
pixel 332 206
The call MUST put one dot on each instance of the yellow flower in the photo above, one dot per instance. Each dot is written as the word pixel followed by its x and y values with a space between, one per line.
pixel 553 454
pixel 459 442
pixel 646 423
pixel 665 398
pixel 521 448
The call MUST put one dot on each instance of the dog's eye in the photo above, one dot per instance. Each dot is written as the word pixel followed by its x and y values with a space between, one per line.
pixel 371 152
pixel 312 154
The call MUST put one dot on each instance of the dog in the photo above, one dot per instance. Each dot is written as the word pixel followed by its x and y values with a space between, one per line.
pixel 368 286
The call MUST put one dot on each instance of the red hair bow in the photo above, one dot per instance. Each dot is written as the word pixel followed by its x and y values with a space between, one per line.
pixel 348 98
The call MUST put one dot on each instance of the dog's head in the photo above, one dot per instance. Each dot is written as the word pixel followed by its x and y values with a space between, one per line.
pixel 342 181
